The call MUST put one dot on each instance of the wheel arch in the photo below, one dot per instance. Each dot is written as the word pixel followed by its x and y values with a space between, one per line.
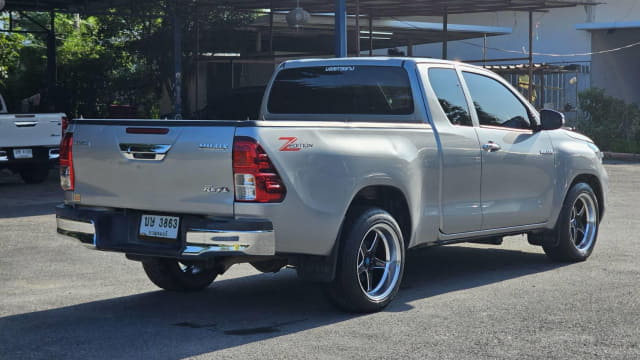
pixel 388 198
pixel 595 184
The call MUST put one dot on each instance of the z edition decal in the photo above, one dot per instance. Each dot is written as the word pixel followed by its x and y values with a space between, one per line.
pixel 291 144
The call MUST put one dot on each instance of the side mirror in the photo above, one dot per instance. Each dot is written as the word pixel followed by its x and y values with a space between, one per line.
pixel 551 119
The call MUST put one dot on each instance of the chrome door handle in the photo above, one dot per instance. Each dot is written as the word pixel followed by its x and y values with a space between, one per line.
pixel 491 147
pixel 144 151
pixel 25 123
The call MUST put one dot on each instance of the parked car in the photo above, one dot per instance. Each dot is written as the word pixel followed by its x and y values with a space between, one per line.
pixel 352 162
pixel 29 143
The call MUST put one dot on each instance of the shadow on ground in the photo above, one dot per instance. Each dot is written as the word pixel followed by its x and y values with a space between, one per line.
pixel 18 199
pixel 238 311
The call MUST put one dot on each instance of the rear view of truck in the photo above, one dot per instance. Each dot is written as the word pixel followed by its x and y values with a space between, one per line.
pixel 163 192
pixel 29 143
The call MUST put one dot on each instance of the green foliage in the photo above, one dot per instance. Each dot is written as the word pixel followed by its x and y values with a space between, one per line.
pixel 10 46
pixel 21 55
pixel 611 122
pixel 111 59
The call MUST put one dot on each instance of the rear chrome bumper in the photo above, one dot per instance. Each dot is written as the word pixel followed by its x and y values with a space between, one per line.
pixel 117 230
pixel 81 230
pixel 248 242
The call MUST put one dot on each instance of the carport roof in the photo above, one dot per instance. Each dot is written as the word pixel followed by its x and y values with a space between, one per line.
pixel 387 33
pixel 379 8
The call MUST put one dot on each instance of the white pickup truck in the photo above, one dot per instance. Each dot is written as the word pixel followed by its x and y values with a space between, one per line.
pixel 352 162
pixel 29 143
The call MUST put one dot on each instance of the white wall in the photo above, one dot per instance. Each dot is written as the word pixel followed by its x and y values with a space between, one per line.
pixel 554 32
pixel 618 11
pixel 617 72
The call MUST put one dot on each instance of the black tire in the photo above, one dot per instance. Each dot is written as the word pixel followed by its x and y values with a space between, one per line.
pixel 172 275
pixel 364 282
pixel 576 231
pixel 35 175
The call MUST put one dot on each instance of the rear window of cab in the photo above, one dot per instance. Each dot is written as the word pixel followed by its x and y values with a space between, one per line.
pixel 366 90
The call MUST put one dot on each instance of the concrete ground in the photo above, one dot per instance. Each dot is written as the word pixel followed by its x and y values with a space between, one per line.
pixel 59 300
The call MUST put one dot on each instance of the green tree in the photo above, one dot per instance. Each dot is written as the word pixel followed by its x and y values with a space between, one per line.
pixel 611 122
pixel 21 59
pixel 117 58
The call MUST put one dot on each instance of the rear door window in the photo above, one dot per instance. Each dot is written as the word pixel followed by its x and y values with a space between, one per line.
pixel 373 90
pixel 446 85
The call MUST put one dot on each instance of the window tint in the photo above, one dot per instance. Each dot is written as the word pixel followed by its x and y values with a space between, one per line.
pixel 341 90
pixel 446 85
pixel 495 104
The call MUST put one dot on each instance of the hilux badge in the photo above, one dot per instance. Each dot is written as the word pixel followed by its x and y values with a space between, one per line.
pixel 214 147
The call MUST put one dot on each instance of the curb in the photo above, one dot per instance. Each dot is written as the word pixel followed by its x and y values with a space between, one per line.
pixel 621 156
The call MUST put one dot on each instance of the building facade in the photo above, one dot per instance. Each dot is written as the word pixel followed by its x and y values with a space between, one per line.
pixel 603 40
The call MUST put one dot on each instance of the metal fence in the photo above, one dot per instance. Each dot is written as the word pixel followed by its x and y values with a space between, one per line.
pixel 556 87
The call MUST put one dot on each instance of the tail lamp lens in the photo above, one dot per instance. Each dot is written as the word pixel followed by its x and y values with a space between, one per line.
pixel 67 176
pixel 65 124
pixel 255 177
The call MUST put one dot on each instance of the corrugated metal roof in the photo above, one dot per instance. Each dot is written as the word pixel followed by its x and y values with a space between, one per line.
pixel 379 8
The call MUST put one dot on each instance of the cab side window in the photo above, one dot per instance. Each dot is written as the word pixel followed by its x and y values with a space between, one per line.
pixel 446 85
pixel 495 104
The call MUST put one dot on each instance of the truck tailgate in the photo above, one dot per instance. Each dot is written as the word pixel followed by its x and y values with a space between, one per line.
pixel 30 130
pixel 185 168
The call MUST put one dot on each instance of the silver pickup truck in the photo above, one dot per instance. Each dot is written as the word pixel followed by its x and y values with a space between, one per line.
pixel 352 162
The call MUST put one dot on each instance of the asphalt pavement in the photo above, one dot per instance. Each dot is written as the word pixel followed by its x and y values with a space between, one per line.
pixel 60 300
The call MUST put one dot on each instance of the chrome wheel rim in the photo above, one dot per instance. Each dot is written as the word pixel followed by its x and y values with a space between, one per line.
pixel 583 223
pixel 378 263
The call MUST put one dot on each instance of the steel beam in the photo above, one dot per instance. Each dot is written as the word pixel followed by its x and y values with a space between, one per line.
pixel 531 86
pixel 357 27
pixel 370 35
pixel 341 28
pixel 445 35
pixel 177 61
pixel 52 63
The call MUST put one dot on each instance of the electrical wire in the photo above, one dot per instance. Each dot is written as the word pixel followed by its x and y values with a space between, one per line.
pixel 556 55
pixel 535 53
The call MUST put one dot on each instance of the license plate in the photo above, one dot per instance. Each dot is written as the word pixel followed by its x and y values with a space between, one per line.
pixel 159 226
pixel 22 153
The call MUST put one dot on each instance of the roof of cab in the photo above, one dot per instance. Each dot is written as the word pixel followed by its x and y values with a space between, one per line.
pixel 379 61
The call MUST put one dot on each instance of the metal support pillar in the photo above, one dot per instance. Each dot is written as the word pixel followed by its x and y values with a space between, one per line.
pixel 341 28
pixel 370 35
pixel 177 61
pixel 197 60
pixel 52 71
pixel 484 50
pixel 542 89
pixel 357 28
pixel 271 29
pixel 445 34
pixel 410 49
pixel 531 86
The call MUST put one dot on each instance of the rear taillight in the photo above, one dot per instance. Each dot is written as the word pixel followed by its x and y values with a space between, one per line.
pixel 255 177
pixel 65 124
pixel 67 177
